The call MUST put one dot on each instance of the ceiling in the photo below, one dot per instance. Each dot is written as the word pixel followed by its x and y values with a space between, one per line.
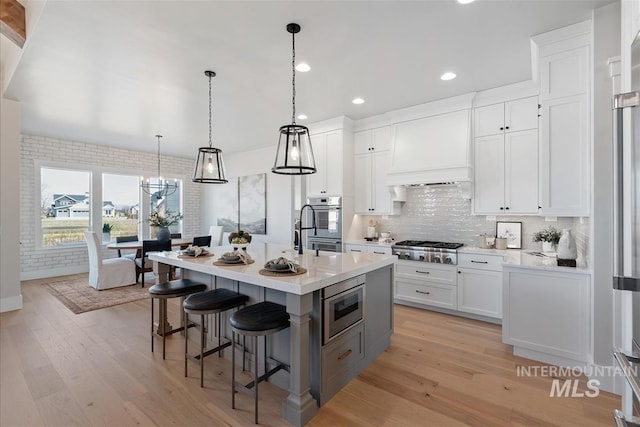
pixel 119 72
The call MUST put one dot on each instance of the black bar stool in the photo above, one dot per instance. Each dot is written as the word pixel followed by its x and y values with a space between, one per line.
pixel 209 302
pixel 261 319
pixel 163 291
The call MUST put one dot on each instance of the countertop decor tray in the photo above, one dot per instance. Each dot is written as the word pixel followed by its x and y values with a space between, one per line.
pixel 264 272
pixel 230 264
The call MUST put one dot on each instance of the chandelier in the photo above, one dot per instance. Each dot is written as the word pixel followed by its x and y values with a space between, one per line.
pixel 158 187
pixel 294 155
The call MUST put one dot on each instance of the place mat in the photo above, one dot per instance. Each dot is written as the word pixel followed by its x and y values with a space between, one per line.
pixel 207 255
pixel 264 272
pixel 226 264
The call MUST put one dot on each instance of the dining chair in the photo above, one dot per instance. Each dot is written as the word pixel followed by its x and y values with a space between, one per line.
pixel 202 241
pixel 108 273
pixel 144 264
pixel 133 256
pixel 215 231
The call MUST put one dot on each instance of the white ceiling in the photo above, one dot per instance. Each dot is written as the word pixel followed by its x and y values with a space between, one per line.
pixel 119 72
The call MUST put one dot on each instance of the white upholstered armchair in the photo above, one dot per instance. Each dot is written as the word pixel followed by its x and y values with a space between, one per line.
pixel 109 273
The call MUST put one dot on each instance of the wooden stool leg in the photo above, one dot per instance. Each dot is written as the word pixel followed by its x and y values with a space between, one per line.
pixel 164 325
pixel 152 336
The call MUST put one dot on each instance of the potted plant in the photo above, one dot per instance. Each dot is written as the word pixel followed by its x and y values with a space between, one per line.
pixel 163 219
pixel 106 232
pixel 549 238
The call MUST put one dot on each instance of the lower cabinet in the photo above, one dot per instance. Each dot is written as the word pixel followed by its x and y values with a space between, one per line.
pixel 372 249
pixel 547 314
pixel 480 284
pixel 340 360
pixel 426 283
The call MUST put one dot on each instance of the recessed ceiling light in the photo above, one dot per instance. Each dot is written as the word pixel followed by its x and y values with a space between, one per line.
pixel 302 116
pixel 448 76
pixel 465 1
pixel 358 101
pixel 303 67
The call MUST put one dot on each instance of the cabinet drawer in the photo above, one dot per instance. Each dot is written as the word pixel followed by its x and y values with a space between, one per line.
pixel 356 248
pixel 380 250
pixel 426 293
pixel 427 272
pixel 341 356
pixel 481 262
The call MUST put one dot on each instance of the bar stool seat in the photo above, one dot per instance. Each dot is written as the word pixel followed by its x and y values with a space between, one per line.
pixel 163 291
pixel 214 301
pixel 261 319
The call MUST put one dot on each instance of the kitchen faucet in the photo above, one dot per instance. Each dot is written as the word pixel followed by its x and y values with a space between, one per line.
pixel 313 226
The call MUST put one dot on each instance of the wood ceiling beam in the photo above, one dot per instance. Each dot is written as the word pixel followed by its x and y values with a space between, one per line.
pixel 12 21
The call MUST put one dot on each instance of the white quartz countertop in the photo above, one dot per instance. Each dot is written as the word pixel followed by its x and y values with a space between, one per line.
pixel 525 259
pixel 324 270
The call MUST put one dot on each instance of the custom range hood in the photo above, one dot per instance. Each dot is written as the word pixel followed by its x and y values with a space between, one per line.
pixel 432 150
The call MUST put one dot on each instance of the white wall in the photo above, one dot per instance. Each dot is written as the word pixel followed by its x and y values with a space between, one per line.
pixel 10 296
pixel 48 262
pixel 279 194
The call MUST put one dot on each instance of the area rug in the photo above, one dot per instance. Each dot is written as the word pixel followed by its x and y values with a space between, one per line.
pixel 79 297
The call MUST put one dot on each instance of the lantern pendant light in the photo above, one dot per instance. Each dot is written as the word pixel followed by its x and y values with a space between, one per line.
pixel 209 165
pixel 163 187
pixel 294 155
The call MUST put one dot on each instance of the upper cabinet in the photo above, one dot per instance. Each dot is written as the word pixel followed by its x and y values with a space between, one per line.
pixel 327 150
pixel 512 116
pixel 371 163
pixel 506 158
pixel 564 64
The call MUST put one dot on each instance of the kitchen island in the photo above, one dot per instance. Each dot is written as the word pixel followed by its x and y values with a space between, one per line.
pixel 317 368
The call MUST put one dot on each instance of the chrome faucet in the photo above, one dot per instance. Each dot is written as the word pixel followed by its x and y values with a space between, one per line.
pixel 313 226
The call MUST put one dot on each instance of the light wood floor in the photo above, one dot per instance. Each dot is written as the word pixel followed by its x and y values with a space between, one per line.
pixel 96 368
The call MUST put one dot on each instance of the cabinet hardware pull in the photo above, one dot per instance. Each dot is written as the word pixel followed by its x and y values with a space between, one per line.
pixel 480 262
pixel 381 253
pixel 356 250
pixel 423 292
pixel 422 272
pixel 507 127
pixel 507 208
pixel 501 208
pixel 501 128
pixel 344 355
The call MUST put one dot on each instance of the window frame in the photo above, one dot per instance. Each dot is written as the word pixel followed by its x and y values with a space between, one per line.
pixel 95 192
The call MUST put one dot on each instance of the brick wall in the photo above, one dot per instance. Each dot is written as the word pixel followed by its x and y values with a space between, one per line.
pixel 49 262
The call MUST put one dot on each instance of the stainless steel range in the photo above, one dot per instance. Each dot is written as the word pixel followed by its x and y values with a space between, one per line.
pixel 426 251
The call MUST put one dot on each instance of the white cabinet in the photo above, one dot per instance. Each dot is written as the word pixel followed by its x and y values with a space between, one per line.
pixel 426 284
pixel 565 76
pixel 549 313
pixel 512 116
pixel 371 164
pixel 327 150
pixel 378 139
pixel 506 158
pixel 506 173
pixel 371 192
pixel 372 249
pixel 480 284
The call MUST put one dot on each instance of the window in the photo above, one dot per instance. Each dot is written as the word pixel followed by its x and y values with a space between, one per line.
pixel 169 203
pixel 120 203
pixel 65 207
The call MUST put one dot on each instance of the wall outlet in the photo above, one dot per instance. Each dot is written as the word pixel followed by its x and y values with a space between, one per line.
pixel 491 217
pixel 551 218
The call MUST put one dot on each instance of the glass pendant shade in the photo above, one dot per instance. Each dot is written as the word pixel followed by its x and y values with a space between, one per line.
pixel 294 155
pixel 209 166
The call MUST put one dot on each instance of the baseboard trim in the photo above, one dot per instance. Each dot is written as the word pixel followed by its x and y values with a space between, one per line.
pixel 53 272
pixel 11 303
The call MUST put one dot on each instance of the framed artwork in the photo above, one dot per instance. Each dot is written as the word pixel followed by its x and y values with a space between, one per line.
pixel 243 204
pixel 512 231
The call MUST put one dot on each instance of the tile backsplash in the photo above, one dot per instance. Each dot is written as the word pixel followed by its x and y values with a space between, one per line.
pixel 444 213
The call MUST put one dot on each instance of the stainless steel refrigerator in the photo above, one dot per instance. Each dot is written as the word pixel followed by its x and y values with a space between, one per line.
pixel 626 279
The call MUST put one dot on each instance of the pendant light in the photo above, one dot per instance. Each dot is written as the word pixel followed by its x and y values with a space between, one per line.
pixel 294 155
pixel 161 187
pixel 209 165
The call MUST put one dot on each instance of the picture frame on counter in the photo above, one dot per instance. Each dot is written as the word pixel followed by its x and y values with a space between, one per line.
pixel 512 230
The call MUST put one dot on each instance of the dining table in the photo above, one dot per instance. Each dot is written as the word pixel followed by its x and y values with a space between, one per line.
pixel 137 244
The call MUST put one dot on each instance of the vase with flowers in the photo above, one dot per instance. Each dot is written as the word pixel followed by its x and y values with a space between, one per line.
pixel 163 219
pixel 549 238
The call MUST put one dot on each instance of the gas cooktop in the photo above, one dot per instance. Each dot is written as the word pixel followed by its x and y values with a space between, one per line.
pixel 427 251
